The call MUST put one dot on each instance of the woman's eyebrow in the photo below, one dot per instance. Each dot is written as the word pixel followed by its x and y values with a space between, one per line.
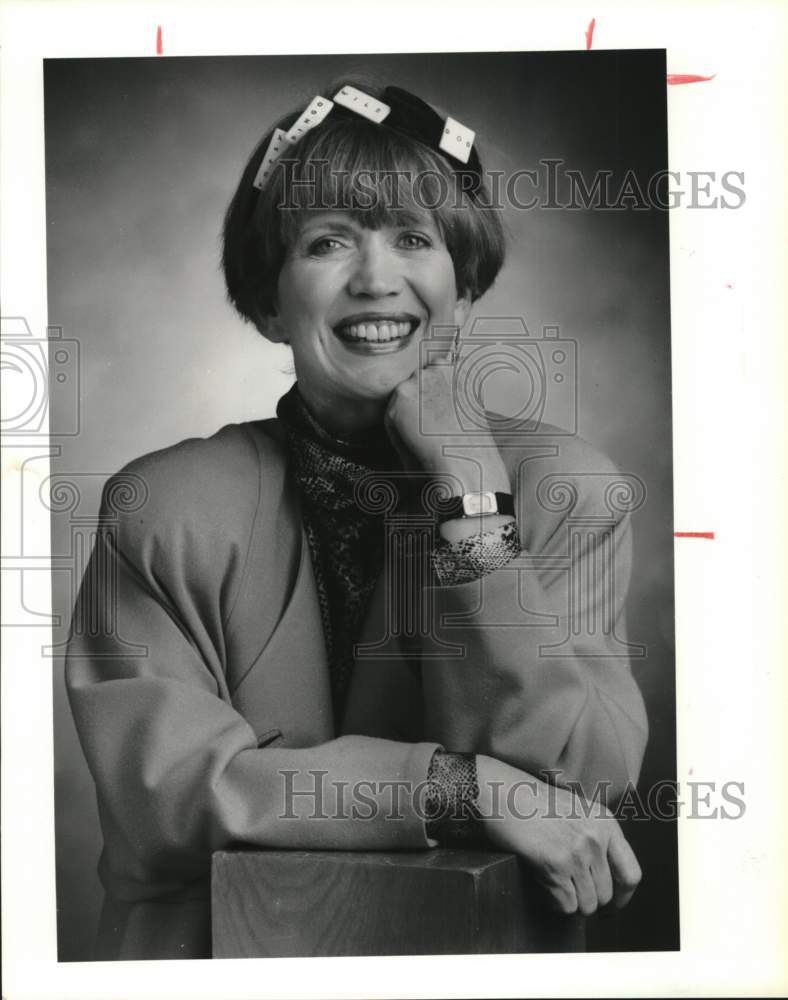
pixel 327 223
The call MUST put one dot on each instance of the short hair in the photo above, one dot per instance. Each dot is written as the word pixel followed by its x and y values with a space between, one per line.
pixel 349 162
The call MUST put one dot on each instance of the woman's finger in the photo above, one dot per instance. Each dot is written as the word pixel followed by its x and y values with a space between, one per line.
pixel 396 439
pixel 563 896
pixel 586 891
pixel 603 880
pixel 624 868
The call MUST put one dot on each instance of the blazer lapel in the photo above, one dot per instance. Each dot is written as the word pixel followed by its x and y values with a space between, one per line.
pixel 286 688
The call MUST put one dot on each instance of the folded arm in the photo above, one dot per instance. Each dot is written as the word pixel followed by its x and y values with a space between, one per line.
pixel 178 770
pixel 544 679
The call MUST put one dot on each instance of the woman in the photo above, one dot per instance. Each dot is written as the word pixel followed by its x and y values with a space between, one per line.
pixel 246 619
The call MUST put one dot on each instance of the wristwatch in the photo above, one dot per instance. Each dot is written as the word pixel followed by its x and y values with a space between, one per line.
pixel 474 504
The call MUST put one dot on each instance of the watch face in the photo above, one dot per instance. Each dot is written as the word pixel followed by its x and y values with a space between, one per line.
pixel 474 504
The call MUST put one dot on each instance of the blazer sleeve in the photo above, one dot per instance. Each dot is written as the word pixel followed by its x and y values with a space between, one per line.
pixel 178 770
pixel 542 679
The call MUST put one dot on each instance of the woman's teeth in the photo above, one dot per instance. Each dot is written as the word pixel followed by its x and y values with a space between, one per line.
pixel 375 331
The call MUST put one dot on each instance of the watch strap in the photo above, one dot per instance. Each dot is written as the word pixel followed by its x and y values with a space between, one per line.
pixel 455 507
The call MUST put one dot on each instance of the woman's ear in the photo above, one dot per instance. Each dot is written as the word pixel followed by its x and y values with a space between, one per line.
pixel 462 310
pixel 271 327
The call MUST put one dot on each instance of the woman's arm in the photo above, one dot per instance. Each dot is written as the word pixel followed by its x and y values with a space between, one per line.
pixel 532 689
pixel 177 768
pixel 543 680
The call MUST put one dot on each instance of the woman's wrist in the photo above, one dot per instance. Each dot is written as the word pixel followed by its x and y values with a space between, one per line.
pixel 460 528
pixel 452 800
pixel 489 780
pixel 476 469
pixel 495 781
pixel 459 558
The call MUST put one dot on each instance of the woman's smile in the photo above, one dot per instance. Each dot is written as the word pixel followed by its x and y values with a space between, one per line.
pixel 377 333
pixel 354 303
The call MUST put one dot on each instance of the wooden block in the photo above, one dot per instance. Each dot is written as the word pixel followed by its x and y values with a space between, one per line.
pixel 325 903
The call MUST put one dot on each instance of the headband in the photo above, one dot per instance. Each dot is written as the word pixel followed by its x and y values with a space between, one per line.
pixel 402 112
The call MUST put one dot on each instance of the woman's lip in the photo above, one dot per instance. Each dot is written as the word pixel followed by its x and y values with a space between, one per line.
pixel 373 317
pixel 361 346
pixel 377 346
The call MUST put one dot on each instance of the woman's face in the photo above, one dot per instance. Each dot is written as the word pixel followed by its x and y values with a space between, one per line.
pixel 355 303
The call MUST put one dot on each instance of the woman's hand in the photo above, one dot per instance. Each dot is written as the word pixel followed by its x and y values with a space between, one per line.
pixel 427 396
pixel 576 848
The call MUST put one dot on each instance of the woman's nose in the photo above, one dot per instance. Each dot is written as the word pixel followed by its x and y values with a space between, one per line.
pixel 375 271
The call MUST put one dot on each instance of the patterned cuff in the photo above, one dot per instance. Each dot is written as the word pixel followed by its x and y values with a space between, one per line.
pixel 470 558
pixel 452 812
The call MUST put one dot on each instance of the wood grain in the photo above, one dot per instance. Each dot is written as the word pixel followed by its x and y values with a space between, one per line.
pixel 441 902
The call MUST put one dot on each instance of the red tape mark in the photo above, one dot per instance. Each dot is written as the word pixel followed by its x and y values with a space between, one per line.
pixel 159 45
pixel 590 33
pixel 693 534
pixel 673 78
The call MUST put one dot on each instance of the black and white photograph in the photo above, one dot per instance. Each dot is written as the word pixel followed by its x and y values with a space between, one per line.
pixel 381 419
pixel 374 463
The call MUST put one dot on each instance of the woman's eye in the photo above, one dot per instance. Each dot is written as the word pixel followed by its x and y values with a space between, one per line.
pixel 325 245
pixel 414 241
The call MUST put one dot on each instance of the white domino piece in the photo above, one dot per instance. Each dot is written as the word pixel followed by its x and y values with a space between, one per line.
pixel 313 114
pixel 277 144
pixel 362 104
pixel 457 140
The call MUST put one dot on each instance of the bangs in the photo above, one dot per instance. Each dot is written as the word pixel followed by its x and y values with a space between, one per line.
pixel 377 175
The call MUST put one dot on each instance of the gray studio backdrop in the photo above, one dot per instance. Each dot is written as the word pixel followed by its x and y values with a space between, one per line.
pixel 142 156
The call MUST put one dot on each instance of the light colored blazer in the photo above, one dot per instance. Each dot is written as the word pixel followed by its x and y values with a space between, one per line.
pixel 202 684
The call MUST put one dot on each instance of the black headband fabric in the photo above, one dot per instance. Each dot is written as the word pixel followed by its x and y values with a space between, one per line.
pixel 414 118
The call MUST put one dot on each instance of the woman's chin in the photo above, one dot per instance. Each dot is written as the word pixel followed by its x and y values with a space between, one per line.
pixel 379 385
pixel 375 376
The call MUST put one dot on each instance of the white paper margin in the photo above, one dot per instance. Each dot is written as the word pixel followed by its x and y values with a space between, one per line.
pixel 728 329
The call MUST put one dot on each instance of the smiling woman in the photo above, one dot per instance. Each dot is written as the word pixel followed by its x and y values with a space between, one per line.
pixel 260 574
pixel 354 304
